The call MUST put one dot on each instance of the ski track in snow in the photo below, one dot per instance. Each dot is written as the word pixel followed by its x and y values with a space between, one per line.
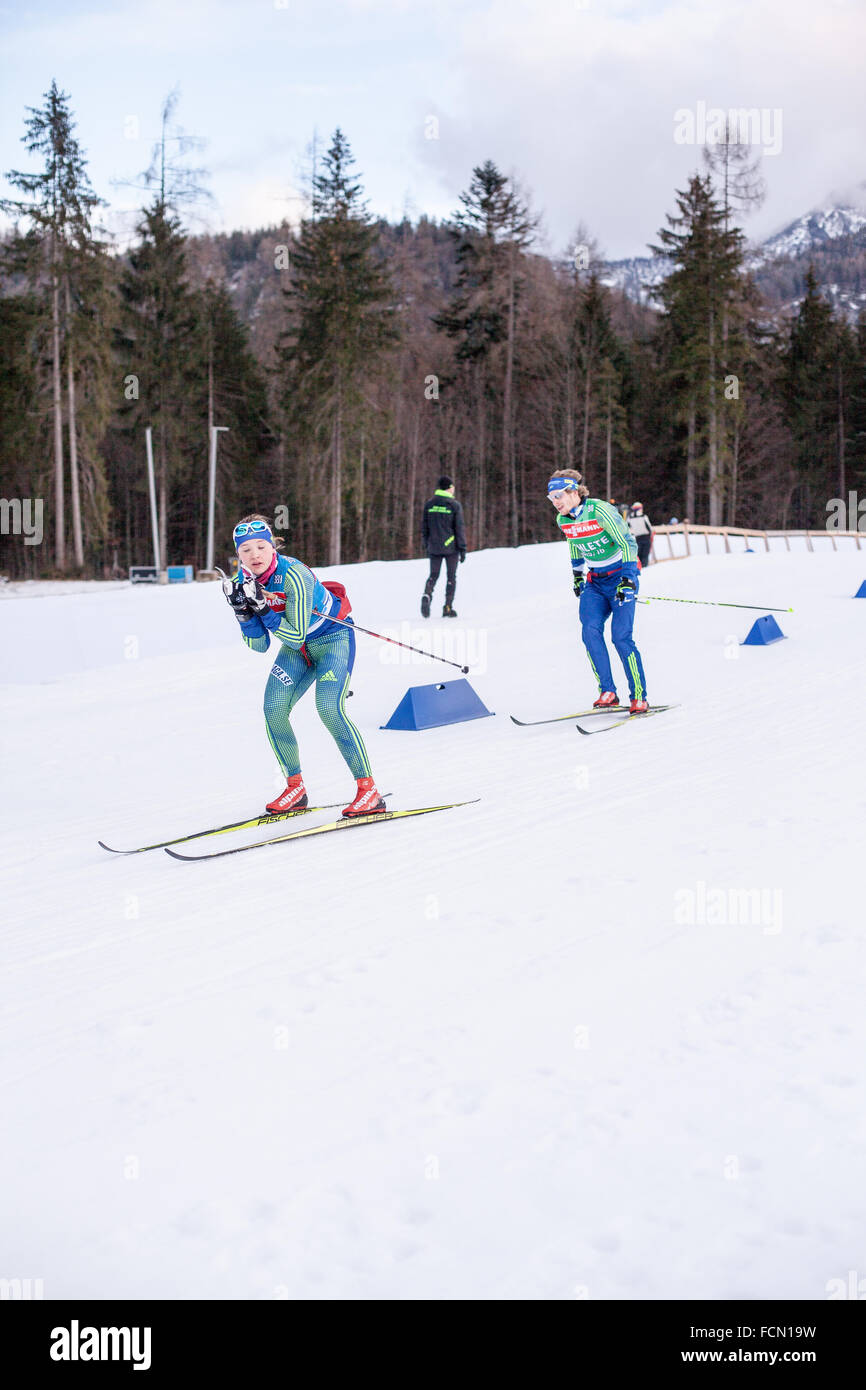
pixel 472 1055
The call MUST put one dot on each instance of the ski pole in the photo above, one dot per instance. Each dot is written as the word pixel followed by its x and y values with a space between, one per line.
pixel 659 598
pixel 432 655
pixel 394 642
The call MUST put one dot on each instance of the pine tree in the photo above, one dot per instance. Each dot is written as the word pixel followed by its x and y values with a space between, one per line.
pixel 160 347
pixel 415 423
pixel 856 456
pixel 22 435
pixel 585 363
pixel 342 324
pixel 707 261
pixel 65 264
pixel 230 391
pixel 735 168
pixel 814 399
pixel 596 348
pixel 519 231
pixel 157 353
pixel 492 232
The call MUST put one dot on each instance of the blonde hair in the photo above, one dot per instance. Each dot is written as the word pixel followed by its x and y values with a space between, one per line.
pixel 582 491
pixel 257 516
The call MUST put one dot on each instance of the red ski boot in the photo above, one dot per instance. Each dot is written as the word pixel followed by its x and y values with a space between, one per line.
pixel 638 707
pixel 367 799
pixel 294 798
pixel 608 699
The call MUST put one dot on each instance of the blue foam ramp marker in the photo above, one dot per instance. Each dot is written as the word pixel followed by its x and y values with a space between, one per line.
pixel 431 706
pixel 861 592
pixel 763 631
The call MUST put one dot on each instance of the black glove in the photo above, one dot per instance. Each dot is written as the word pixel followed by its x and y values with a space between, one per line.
pixel 579 584
pixel 462 556
pixel 625 592
pixel 258 604
pixel 255 596
pixel 236 599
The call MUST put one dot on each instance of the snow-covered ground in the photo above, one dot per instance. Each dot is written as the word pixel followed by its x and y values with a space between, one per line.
pixel 600 1035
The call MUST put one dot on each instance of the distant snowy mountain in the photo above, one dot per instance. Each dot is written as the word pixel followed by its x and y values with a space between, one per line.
pixel 814 231
pixel 833 239
pixel 638 276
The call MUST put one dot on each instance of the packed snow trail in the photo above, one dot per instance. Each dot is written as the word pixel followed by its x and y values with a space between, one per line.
pixel 476 1055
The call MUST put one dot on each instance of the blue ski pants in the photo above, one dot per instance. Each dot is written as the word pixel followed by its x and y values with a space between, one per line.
pixel 597 604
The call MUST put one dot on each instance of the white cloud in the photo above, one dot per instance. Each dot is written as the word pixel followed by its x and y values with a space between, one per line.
pixel 578 99
pixel 582 101
pixel 264 202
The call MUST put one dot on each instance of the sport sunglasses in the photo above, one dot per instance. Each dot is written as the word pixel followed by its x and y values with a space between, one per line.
pixel 251 528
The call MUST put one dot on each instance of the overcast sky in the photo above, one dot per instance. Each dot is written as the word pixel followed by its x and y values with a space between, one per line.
pixel 576 97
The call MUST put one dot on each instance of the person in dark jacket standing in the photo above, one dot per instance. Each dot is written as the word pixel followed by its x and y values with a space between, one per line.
pixel 641 528
pixel 445 539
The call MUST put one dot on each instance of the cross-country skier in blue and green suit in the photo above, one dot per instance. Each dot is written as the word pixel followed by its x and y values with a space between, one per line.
pixel 606 580
pixel 277 596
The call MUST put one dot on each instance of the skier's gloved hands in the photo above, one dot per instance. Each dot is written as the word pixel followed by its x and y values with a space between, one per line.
pixel 236 599
pixel 462 556
pixel 579 583
pixel 255 595
pixel 258 604
pixel 626 591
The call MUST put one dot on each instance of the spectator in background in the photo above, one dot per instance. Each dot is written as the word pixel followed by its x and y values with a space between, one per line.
pixel 444 538
pixel 641 528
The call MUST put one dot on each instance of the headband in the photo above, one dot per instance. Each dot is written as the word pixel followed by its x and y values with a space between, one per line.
pixel 562 485
pixel 252 531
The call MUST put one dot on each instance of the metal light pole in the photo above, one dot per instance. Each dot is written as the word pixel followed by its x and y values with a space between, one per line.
pixel 152 487
pixel 211 501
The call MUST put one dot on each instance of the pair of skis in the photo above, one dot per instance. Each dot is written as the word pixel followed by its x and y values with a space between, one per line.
pixel 344 823
pixel 620 712
pixel 621 715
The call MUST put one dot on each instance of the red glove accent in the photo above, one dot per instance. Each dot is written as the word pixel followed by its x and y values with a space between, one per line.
pixel 639 566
